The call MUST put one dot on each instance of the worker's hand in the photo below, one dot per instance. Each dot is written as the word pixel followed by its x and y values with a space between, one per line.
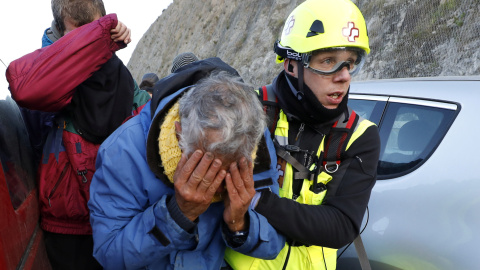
pixel 121 33
pixel 240 188
pixel 196 180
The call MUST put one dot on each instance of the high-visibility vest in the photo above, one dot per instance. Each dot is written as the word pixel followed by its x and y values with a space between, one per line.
pixel 300 257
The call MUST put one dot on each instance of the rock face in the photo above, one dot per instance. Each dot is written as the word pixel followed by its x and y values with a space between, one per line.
pixel 408 38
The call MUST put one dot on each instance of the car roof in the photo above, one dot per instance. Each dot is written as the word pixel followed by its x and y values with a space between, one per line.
pixel 458 89
pixel 439 78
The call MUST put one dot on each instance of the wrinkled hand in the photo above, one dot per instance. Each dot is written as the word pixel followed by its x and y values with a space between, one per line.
pixel 121 33
pixel 240 188
pixel 196 179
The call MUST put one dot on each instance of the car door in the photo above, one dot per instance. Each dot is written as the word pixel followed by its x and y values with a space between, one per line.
pixel 410 130
pixel 21 239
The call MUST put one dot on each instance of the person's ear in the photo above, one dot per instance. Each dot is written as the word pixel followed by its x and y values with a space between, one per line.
pixel 289 68
pixel 178 129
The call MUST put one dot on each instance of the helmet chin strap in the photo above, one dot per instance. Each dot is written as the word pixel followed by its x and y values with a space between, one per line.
pixel 300 77
pixel 297 91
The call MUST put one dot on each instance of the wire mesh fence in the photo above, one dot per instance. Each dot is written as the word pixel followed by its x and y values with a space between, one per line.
pixel 408 38
pixel 421 38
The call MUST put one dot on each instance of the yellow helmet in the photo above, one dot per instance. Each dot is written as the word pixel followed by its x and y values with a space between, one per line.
pixel 322 24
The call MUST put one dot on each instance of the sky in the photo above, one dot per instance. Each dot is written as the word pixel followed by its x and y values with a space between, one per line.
pixel 23 22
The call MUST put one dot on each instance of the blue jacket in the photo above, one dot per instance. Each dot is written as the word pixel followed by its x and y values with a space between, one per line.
pixel 132 227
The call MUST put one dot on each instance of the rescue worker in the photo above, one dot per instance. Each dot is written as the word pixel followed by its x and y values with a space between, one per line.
pixel 323 197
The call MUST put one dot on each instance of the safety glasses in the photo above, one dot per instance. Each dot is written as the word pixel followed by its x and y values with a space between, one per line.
pixel 332 60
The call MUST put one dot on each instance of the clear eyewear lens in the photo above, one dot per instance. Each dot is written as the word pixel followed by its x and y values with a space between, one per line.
pixel 352 67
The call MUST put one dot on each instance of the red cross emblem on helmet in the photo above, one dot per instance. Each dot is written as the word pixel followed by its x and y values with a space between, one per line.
pixel 351 32
pixel 289 25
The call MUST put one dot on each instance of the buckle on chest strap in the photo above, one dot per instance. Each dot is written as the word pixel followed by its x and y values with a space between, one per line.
pixel 318 187
pixel 331 166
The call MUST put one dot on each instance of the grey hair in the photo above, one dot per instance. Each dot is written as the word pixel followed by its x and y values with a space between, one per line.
pixel 80 12
pixel 221 103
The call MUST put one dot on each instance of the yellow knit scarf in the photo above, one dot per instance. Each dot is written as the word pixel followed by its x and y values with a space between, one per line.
pixel 170 152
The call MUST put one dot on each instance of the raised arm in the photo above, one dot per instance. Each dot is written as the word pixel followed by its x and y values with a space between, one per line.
pixel 46 79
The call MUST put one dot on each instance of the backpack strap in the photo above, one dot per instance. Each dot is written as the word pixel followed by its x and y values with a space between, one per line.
pixel 282 151
pixel 335 145
pixel 270 106
pixel 362 254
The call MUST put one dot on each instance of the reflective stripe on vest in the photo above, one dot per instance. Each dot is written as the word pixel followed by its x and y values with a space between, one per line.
pixel 301 257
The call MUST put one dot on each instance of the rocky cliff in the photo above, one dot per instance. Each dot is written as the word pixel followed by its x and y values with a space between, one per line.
pixel 408 38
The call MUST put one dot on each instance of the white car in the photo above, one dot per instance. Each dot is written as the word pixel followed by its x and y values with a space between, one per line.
pixel 424 211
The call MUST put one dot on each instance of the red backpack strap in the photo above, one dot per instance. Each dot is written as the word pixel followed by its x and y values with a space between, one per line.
pixel 335 144
pixel 270 106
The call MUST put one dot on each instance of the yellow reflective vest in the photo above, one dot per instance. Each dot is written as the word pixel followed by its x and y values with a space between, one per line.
pixel 300 257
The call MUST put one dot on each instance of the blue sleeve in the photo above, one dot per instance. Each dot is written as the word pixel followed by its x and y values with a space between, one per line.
pixel 38 125
pixel 263 240
pixel 132 227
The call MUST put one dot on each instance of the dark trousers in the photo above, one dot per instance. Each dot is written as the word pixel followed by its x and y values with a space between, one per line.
pixel 70 252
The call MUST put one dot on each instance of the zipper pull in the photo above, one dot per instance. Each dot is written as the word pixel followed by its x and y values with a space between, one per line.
pixel 300 130
pixel 82 173
pixel 361 165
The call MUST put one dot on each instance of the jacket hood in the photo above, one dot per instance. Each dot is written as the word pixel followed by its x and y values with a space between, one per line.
pixel 166 92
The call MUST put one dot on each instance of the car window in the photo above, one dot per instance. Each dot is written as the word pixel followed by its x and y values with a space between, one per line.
pixel 368 107
pixel 410 130
pixel 16 155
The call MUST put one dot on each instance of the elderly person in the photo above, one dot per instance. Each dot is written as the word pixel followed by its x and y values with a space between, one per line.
pixel 174 190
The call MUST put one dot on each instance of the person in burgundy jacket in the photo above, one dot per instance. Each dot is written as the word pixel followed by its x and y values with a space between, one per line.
pixel 74 92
